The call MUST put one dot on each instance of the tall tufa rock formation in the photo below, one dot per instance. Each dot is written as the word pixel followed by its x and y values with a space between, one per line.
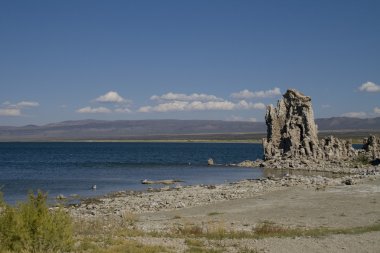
pixel 291 128
pixel 292 133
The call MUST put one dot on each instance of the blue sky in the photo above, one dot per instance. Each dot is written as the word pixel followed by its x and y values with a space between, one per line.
pixel 70 60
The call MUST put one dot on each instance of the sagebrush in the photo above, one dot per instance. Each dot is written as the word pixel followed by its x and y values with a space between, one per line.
pixel 31 227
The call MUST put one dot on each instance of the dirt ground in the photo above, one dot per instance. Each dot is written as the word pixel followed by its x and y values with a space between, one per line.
pixel 341 206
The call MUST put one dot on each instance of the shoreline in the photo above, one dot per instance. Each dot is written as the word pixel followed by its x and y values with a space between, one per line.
pixel 168 197
pixel 178 217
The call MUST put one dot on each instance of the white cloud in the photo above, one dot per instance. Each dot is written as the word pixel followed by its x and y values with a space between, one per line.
pixel 248 105
pixel 201 106
pixel 27 104
pixel 369 87
pixel 111 97
pixel 89 109
pixel 212 105
pixel 196 102
pixel 376 110
pixel 326 106
pixel 355 114
pixel 165 107
pixel 259 106
pixel 184 97
pixel 245 94
pixel 9 109
pixel 145 109
pixel 120 104
pixel 122 110
pixel 10 112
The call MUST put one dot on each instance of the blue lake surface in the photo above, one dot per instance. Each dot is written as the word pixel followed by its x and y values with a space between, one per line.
pixel 72 168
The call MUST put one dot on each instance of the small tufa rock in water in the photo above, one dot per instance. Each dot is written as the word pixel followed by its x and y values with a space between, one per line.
pixel 93 187
pixel 210 162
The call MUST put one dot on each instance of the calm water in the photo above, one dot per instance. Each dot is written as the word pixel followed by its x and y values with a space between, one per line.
pixel 72 168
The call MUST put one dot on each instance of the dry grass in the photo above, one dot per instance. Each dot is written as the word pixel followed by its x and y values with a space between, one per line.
pixel 214 213
pixel 111 236
pixel 198 246
pixel 119 246
pixel 117 236
pixel 129 218
pixel 263 230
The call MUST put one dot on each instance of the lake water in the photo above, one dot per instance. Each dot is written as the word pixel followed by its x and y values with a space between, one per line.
pixel 72 168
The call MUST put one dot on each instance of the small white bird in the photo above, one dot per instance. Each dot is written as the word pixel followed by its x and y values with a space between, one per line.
pixel 93 187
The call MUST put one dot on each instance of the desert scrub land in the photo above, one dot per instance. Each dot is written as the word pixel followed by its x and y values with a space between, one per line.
pixel 290 214
pixel 34 227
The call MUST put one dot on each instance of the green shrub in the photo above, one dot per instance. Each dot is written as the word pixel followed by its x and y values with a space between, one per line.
pixel 31 227
pixel 362 159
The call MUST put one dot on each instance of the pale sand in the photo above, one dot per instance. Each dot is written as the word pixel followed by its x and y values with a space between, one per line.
pixel 336 207
pixel 290 203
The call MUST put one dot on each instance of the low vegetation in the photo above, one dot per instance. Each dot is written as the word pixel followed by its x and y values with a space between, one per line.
pixel 198 246
pixel 31 227
pixel 361 159
pixel 214 213
pixel 265 230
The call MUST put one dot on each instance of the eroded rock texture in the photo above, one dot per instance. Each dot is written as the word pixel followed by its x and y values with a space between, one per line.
pixel 371 146
pixel 334 149
pixel 292 135
pixel 291 128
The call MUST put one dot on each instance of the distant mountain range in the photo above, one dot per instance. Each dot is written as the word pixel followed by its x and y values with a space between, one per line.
pixel 163 129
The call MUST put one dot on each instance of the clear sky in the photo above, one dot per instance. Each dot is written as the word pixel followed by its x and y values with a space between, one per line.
pixel 206 59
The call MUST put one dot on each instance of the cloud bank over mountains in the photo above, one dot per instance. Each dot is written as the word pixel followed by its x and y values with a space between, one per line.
pixel 201 106
pixel 177 102
pixel 112 102
pixel 181 102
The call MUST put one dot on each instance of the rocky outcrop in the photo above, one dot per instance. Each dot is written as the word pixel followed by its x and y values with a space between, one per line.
pixel 291 129
pixel 292 137
pixel 334 149
pixel 371 146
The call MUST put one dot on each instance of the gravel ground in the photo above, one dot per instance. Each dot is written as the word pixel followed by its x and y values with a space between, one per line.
pixel 291 201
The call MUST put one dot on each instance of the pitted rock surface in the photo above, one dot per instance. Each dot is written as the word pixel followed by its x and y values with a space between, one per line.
pixel 291 130
pixel 371 146
pixel 292 138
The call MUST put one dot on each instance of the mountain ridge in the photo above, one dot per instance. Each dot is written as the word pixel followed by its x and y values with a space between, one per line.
pixel 124 129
